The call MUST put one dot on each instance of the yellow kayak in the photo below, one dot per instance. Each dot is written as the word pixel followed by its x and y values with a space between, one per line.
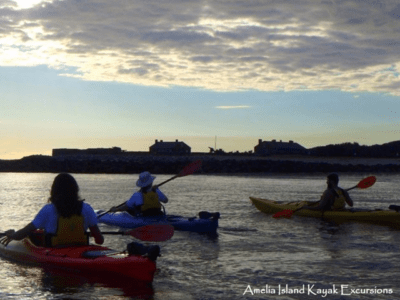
pixel 378 217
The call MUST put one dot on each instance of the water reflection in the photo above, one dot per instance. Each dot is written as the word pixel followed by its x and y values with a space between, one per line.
pixel 61 282
pixel 333 238
pixel 28 282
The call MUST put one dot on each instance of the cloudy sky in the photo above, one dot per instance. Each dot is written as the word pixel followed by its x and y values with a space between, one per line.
pixel 101 73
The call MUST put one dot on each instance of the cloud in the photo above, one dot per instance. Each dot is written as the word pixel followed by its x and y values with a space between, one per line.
pixel 233 107
pixel 218 45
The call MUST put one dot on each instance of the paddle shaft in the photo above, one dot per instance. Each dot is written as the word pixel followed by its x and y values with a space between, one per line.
pixel 188 170
pixel 151 233
pixel 154 233
pixel 164 182
pixel 356 186
pixel 2 234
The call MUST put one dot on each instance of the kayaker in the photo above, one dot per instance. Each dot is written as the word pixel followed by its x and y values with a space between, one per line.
pixel 146 201
pixel 64 219
pixel 334 197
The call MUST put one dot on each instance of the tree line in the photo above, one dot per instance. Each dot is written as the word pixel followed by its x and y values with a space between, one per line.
pixel 387 150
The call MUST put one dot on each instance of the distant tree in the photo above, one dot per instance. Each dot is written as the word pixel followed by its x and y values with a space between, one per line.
pixel 219 151
pixel 351 149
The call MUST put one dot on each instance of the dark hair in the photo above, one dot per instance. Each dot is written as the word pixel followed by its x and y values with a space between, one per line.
pixel 64 195
pixel 334 177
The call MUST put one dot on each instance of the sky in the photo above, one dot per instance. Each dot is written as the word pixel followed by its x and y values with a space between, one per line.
pixel 99 73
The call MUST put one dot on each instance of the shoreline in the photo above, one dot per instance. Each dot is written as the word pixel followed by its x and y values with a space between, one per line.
pixel 211 164
pixel 370 161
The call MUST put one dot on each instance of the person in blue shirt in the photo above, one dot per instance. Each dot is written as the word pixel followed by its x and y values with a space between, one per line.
pixel 146 201
pixel 64 220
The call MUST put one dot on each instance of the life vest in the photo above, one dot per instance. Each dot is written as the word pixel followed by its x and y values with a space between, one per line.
pixel 70 231
pixel 340 200
pixel 150 201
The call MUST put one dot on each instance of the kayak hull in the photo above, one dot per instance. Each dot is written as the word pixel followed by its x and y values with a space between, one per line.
pixel 125 220
pixel 378 217
pixel 107 262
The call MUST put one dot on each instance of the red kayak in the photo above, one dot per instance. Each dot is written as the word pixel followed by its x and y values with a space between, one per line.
pixel 82 259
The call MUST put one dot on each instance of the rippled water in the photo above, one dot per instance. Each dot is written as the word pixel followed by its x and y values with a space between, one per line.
pixel 251 250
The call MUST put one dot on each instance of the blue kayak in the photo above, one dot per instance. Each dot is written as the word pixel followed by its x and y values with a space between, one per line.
pixel 205 223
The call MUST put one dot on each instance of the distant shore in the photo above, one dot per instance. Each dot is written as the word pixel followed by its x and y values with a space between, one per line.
pixel 338 160
pixel 212 164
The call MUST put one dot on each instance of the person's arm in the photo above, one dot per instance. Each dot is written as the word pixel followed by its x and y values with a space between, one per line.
pixel 91 221
pixel 96 233
pixel 22 233
pixel 135 201
pixel 326 198
pixel 349 201
pixel 161 196
pixel 18 235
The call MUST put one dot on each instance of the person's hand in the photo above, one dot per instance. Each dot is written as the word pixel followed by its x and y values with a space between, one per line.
pixel 155 187
pixel 5 240
pixel 8 238
pixel 10 232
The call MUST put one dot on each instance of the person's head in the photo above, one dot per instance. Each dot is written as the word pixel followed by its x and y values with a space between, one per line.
pixel 64 194
pixel 145 180
pixel 332 180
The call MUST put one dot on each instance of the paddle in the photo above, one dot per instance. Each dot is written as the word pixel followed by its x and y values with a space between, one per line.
pixel 187 170
pixel 363 184
pixel 150 233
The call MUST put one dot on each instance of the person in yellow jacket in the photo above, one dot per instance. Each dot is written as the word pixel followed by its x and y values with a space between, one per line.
pixel 64 219
pixel 147 200
pixel 334 197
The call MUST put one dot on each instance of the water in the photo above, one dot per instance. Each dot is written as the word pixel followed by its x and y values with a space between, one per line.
pixel 252 249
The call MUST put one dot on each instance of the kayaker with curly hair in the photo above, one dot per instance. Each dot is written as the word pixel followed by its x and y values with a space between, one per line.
pixel 64 220
pixel 334 197
pixel 146 201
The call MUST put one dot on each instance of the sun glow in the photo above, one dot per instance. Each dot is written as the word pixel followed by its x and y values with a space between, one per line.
pixel 28 3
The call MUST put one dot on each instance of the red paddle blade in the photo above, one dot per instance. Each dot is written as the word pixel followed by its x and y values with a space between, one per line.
pixel 152 233
pixel 287 213
pixel 366 182
pixel 190 169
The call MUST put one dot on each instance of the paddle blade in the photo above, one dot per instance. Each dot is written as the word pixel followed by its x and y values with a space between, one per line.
pixel 152 233
pixel 366 182
pixel 191 168
pixel 287 213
